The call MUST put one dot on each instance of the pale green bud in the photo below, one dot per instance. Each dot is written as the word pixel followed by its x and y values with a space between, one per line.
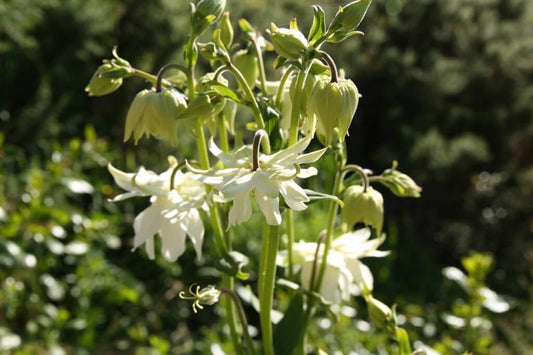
pixel 380 314
pixel 350 16
pixel 334 105
pixel 247 64
pixel 210 8
pixel 100 86
pixel 399 183
pixel 226 30
pixel 363 207
pixel 288 43
pixel 155 113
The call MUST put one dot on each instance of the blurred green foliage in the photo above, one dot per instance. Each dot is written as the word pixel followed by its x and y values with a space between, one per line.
pixel 447 90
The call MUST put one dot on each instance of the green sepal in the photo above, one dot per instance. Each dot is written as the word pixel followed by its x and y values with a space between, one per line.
pixel 232 264
pixel 190 52
pixel 228 93
pixel 403 341
pixel 271 117
pixel 289 332
pixel 319 25
pixel 340 36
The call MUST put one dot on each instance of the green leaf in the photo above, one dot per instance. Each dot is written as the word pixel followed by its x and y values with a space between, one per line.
pixel 227 92
pixel 232 264
pixel 340 36
pixel 319 25
pixel 289 332
pixel 271 117
pixel 280 62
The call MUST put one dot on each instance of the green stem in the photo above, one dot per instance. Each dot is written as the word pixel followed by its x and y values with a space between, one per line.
pixel 224 142
pixel 284 78
pixel 242 317
pixel 290 241
pixel 360 171
pixel 250 95
pixel 150 77
pixel 262 77
pixel 266 284
pixel 296 103
pixel 332 213
pixel 164 69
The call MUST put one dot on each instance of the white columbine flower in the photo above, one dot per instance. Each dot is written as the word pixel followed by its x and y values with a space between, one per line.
pixel 173 213
pixel 274 175
pixel 345 274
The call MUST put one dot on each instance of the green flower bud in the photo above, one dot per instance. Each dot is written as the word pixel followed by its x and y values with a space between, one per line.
pixel 288 43
pixel 210 8
pixel 363 207
pixel 350 16
pixel 247 64
pixel 333 104
pixel 155 113
pixel 399 183
pixel 380 314
pixel 99 85
pixel 226 30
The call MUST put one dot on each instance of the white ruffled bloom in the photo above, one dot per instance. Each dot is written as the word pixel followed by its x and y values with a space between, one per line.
pixel 345 274
pixel 173 213
pixel 274 176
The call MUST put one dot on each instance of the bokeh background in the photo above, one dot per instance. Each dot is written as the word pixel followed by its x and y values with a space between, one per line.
pixel 447 91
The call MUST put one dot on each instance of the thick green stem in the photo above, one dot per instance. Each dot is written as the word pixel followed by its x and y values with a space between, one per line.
pixel 282 82
pixel 290 241
pixel 296 103
pixel 267 275
pixel 330 227
pixel 224 142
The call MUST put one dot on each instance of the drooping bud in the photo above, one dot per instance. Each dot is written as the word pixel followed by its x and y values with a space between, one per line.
pixel 247 64
pixel 380 314
pixel 226 30
pixel 333 104
pixel 288 43
pixel 155 113
pixel 399 183
pixel 99 86
pixel 362 206
pixel 108 77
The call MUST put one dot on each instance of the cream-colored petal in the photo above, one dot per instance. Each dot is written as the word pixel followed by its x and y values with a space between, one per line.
pixel 172 240
pixel 241 210
pixel 146 224
pixel 121 178
pixel 195 229
pixel 269 207
pixel 294 195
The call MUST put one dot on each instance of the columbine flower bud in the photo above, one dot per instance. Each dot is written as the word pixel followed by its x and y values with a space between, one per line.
pixel 288 43
pixel 399 183
pixel 226 30
pixel 363 206
pixel 154 113
pixel 247 65
pixel 333 104
pixel 380 314
pixel 100 86
pixel 350 15
pixel 212 8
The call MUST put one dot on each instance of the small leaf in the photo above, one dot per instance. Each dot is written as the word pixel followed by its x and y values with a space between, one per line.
pixel 232 264
pixel 227 92
pixel 319 25
pixel 289 331
pixel 340 36
pixel 280 62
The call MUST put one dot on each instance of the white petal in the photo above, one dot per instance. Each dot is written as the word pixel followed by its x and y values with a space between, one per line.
pixel 228 159
pixel 150 248
pixel 121 178
pixel 294 195
pixel 287 157
pixel 269 207
pixel 361 274
pixel 195 230
pixel 126 195
pixel 146 224
pixel 311 157
pixel 150 183
pixel 172 240
pixel 308 172
pixel 265 185
pixel 237 185
pixel 241 210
